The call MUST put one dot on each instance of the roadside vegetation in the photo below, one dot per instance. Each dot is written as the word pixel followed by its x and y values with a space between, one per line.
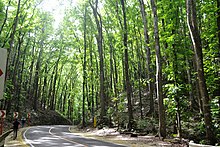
pixel 143 67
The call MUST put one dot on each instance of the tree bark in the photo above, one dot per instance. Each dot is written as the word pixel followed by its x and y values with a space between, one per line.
pixel 126 66
pixel 84 69
pixel 52 102
pixel 197 44
pixel 36 79
pixel 6 17
pixel 99 38
pixel 92 79
pixel 148 57
pixel 162 121
pixel 218 25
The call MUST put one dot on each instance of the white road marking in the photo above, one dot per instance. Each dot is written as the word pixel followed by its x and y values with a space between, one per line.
pixel 31 145
pixel 27 140
pixel 65 138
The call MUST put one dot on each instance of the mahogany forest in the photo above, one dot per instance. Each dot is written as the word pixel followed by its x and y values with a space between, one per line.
pixel 139 65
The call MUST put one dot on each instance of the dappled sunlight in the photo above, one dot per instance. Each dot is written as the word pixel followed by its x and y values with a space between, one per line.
pixel 59 136
pixel 114 70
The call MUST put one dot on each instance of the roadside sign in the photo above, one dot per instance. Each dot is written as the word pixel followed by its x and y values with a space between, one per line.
pixel 1 72
pixel 95 122
pixel 29 115
pixel 3 113
pixel 15 114
pixel 3 60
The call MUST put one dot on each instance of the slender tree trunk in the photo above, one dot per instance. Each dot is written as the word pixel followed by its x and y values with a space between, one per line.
pixel 115 85
pixel 99 38
pixel 53 90
pixel 139 89
pixel 11 45
pixel 176 80
pixel 36 79
pixel 189 80
pixel 176 97
pixel 148 57
pixel 218 25
pixel 12 36
pixel 53 95
pixel 139 71
pixel 31 68
pixel 44 91
pixel 92 79
pixel 162 121
pixel 6 17
pixel 17 72
pixel 57 103
pixel 197 44
pixel 64 100
pixel 126 66
pixel 113 70
pixel 84 70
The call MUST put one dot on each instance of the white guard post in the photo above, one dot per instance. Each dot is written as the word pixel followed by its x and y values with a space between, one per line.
pixel 3 60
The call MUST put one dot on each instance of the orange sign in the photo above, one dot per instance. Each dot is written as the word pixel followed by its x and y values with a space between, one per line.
pixel 1 72
pixel 3 113
pixel 29 115
pixel 15 114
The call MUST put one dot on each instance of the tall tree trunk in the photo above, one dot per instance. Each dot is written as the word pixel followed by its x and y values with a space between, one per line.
pixel 175 70
pixel 6 17
pixel 197 44
pixel 189 80
pixel 99 38
pixel 126 66
pixel 218 25
pixel 148 57
pixel 162 121
pixel 45 86
pixel 176 97
pixel 64 99
pixel 53 91
pixel 84 69
pixel 17 72
pixel 92 79
pixel 53 99
pixel 36 79
pixel 57 103
pixel 196 85
pixel 139 55
pixel 14 26
pixel 11 45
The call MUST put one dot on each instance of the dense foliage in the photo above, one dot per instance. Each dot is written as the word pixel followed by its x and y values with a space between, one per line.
pixel 103 61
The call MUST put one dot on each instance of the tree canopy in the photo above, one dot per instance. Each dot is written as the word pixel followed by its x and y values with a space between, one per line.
pixel 139 65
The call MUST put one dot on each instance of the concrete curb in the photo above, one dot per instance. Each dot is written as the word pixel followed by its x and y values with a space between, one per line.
pixel 192 144
pixel 19 142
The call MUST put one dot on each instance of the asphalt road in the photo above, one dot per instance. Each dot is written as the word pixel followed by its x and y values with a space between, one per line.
pixel 60 136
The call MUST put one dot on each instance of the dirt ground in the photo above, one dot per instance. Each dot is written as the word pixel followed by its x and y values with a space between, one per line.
pixel 111 135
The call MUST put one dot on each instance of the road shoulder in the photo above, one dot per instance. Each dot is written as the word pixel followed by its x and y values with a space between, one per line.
pixel 18 142
pixel 110 135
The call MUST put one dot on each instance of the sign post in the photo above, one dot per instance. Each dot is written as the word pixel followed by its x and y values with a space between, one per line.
pixel 3 60
pixel 29 117
pixel 15 115
pixel 3 115
pixel 95 121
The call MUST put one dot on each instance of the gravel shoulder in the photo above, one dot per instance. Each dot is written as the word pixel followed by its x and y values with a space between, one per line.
pixel 111 135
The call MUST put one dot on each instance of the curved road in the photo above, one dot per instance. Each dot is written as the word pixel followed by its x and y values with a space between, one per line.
pixel 60 136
